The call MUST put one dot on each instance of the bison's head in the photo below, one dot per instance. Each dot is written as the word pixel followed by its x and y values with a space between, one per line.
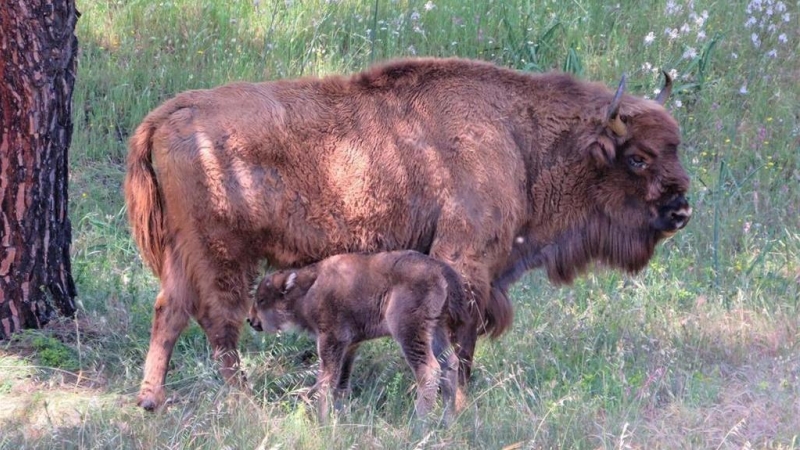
pixel 632 186
pixel 635 151
pixel 272 310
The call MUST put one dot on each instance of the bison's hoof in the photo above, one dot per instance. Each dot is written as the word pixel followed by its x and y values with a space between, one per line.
pixel 150 401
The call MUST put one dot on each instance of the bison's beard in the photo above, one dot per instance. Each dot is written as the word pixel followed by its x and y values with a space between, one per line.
pixel 599 240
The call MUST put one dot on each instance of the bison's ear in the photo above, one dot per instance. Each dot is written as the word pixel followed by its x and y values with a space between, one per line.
pixel 602 150
pixel 289 283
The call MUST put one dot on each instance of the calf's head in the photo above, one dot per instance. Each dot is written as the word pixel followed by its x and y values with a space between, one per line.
pixel 272 309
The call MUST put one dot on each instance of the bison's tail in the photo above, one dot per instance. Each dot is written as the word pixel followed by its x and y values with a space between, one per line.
pixel 492 315
pixel 142 197
pixel 499 313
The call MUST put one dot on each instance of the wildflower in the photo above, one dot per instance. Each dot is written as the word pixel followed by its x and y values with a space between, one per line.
pixel 690 53
pixel 429 6
pixel 678 103
pixel 699 21
pixel 782 38
pixel 646 67
pixel 743 89
pixel 411 50
pixel 672 33
pixel 750 22
pixel 701 35
pixel 414 16
pixel 772 53
pixel 685 28
pixel 786 17
pixel 756 41
pixel 672 8
pixel 650 38
pixel 780 7
pixel 673 74
pixel 735 55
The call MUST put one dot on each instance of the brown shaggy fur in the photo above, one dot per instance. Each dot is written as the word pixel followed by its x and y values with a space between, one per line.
pixel 491 170
pixel 350 298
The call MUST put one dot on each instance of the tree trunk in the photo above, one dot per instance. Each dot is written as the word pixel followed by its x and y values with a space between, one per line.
pixel 38 51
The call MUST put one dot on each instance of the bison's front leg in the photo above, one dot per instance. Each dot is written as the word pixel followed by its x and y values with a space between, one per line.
pixel 168 322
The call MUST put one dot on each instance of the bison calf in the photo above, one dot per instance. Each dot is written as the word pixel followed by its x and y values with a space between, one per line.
pixel 349 298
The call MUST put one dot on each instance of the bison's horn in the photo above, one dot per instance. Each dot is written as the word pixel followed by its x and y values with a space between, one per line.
pixel 614 121
pixel 666 90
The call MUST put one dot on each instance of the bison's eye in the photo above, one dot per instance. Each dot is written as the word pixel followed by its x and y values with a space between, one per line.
pixel 636 162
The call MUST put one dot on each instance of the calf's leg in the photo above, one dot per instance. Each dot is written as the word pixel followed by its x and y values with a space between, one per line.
pixel 448 380
pixel 332 353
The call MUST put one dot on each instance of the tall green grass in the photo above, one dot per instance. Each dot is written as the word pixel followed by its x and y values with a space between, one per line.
pixel 698 351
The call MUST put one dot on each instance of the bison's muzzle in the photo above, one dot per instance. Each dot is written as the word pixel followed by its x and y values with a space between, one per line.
pixel 673 215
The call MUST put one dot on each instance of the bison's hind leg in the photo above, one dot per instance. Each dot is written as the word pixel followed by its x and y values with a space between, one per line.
pixel 170 317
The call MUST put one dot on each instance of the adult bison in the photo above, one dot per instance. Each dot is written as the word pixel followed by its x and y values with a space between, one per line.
pixel 491 170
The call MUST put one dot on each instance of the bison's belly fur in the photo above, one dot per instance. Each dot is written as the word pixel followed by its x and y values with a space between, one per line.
pixel 489 170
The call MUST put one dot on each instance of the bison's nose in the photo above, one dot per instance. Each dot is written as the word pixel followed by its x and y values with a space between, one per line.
pixel 681 217
pixel 674 215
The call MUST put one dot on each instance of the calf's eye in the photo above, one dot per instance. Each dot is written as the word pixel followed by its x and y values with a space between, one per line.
pixel 637 162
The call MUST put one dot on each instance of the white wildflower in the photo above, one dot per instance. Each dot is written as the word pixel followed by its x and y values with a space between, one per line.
pixel 743 89
pixel 649 38
pixel 690 53
pixel 414 16
pixel 780 7
pixel 677 103
pixel 685 28
pixel 672 7
pixel 735 55
pixel 769 11
pixel 756 41
pixel 672 33
pixel 411 50
pixel 673 74
pixel 429 6
pixel 782 38
pixel 704 14
pixel 701 35
pixel 750 22
pixel 772 53
pixel 699 21
pixel 646 67
pixel 786 17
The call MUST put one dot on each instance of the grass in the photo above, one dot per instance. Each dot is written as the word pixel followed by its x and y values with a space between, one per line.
pixel 702 350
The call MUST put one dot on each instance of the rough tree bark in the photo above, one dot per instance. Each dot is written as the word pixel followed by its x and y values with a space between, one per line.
pixel 38 50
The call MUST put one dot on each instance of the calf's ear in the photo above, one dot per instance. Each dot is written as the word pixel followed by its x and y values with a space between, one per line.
pixel 289 283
